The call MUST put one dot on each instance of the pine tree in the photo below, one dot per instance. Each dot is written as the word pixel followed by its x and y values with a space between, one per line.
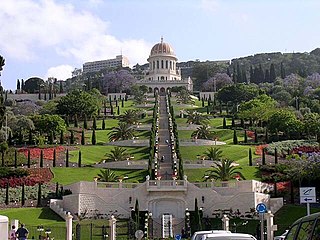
pixel 39 195
pixel 54 158
pixel 235 138
pixel 23 198
pixel 29 159
pixel 41 159
pixel 250 157
pixel 263 156
pixel 94 124
pixel 67 158
pixel 275 156
pixel 93 137
pixel 103 124
pixel 224 124
pixel 245 136
pixel 85 122
pixel 79 159
pixel 273 75
pixel 61 137
pixel 82 138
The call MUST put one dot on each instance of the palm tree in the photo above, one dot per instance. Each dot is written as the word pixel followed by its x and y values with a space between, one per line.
pixel 213 153
pixel 203 132
pixel 224 170
pixel 117 154
pixel 106 175
pixel 130 116
pixel 123 131
pixel 198 118
pixel 184 96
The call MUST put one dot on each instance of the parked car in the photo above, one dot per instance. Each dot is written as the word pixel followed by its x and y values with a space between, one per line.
pixel 228 236
pixel 307 227
pixel 282 236
pixel 198 235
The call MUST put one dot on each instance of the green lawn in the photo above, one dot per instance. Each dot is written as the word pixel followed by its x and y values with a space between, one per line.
pixel 71 175
pixel 92 154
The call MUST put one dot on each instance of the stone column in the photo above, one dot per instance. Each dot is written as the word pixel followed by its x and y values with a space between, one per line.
pixel 225 221
pixel 69 226
pixel 270 226
pixel 112 224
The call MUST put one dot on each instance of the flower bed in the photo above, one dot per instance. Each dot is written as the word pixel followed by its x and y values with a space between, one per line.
pixel 283 146
pixel 306 149
pixel 47 152
pixel 258 149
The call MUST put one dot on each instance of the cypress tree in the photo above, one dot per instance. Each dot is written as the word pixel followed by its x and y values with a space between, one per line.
pixel 255 136
pixel 20 137
pixel 60 87
pixel 57 190
pixel 93 138
pixel 18 84
pixel 75 120
pixel 103 124
pixel 79 159
pixel 94 124
pixel 220 107
pixel 116 102
pixel 7 193
pixel 111 110
pixel 61 137
pixel 67 158
pixel 272 73
pixel 275 156
pixel 250 157
pixel 118 110
pixel 50 137
pixel 104 108
pixel 263 156
pixel 10 139
pixel 71 137
pixel 54 158
pixel 266 136
pixel 232 123
pixel 224 124
pixel 45 96
pixel 39 195
pixel 235 138
pixel 82 138
pixel 227 108
pixel 202 102
pixel 85 122
pixel 207 109
pixel 29 158
pixel 41 159
pixel 242 122
pixel 23 195
pixel 122 103
pixel 67 120
pixel 30 137
pixel 245 136
pixel 15 158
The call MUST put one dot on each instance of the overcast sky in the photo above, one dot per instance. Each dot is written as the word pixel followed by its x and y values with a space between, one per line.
pixel 49 38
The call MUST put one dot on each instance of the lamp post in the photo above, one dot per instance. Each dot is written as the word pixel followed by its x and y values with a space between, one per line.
pixel 188 223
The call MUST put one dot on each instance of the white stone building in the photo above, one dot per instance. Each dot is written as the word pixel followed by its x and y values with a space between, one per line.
pixel 163 73
pixel 96 66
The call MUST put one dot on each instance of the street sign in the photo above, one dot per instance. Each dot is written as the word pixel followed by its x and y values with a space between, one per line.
pixel 261 208
pixel 178 237
pixel 308 195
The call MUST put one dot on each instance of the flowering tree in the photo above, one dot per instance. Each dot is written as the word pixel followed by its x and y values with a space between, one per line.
pixel 217 82
pixel 117 81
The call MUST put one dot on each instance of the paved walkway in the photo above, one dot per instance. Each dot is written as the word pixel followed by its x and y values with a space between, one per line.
pixel 164 147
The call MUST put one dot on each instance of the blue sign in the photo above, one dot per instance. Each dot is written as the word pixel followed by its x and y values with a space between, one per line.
pixel 178 237
pixel 261 208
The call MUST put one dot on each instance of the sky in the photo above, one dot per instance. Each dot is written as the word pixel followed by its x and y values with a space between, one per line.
pixel 50 38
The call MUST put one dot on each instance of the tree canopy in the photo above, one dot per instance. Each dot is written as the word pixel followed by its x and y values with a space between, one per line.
pixel 48 123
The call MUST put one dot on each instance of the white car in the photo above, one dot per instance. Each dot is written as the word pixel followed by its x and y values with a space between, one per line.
pixel 228 236
pixel 282 236
pixel 198 235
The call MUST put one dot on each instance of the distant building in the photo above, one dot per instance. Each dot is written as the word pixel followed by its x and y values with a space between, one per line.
pixel 96 66
pixel 163 73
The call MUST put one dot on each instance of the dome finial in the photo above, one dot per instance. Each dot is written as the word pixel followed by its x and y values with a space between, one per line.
pixel 161 39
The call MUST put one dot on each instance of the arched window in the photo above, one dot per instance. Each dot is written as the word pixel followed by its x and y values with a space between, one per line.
pixel 154 65
pixel 166 64
pixel 157 64
pixel 162 77
pixel 161 63
pixel 170 65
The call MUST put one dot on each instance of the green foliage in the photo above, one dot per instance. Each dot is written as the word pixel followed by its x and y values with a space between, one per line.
pixel 223 170
pixel 82 138
pixel 94 124
pixel 80 103
pixel 283 146
pixel 235 138
pixel 250 157
pixel 79 159
pixel 238 93
pixel 103 127
pixel 107 175
pixel 93 137
pixel 117 154
pixel 6 172
pixel 203 132
pixel 213 153
pixel 49 123
pixel 131 116
pixel 198 118
pixel 123 131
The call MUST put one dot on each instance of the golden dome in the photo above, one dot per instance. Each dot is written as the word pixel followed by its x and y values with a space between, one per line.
pixel 162 48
